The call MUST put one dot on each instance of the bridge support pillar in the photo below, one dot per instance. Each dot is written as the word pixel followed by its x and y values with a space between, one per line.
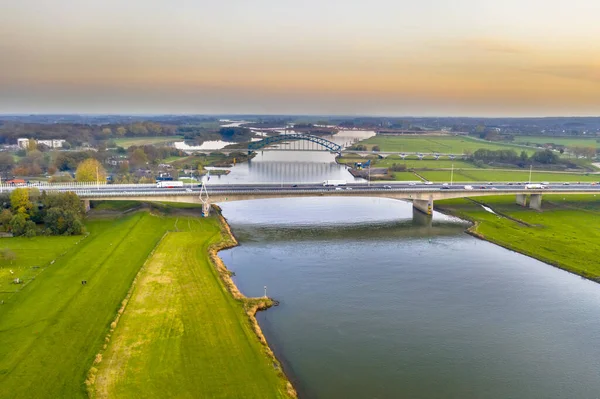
pixel 535 202
pixel 421 219
pixel 205 209
pixel 86 205
pixel 522 199
pixel 425 206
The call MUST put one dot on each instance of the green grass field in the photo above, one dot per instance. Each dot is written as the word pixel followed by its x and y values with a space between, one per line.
pixel 566 141
pixel 182 334
pixel 32 257
pixel 51 330
pixel 565 233
pixel 491 175
pixel 441 144
pixel 126 142
pixel 405 176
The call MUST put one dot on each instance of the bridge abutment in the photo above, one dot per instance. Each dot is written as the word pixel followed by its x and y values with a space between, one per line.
pixel 535 202
pixel 86 205
pixel 425 206
pixel 522 199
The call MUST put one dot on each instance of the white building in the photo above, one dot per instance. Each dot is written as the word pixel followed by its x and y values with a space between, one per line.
pixel 23 143
pixel 52 143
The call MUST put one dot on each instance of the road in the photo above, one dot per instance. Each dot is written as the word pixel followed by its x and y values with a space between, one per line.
pixel 318 187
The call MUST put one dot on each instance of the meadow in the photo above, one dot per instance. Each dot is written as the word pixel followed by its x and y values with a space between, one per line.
pixel 127 142
pixel 183 334
pixel 566 141
pixel 499 176
pixel 563 234
pixel 440 144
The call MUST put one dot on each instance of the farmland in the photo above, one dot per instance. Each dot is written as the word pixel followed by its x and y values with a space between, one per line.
pixel 127 142
pixel 564 234
pixel 566 141
pixel 440 144
pixel 493 175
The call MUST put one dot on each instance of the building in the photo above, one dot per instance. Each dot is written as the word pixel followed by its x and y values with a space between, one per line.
pixel 23 143
pixel 52 143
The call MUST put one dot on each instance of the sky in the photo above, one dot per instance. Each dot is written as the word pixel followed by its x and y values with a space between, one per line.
pixel 348 57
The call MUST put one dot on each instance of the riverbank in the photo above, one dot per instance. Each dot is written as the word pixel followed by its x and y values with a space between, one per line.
pixel 186 313
pixel 562 235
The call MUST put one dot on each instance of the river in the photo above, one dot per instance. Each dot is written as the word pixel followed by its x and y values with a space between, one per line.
pixel 374 304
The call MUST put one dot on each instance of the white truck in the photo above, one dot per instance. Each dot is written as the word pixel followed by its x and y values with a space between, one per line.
pixel 534 186
pixel 169 184
pixel 334 183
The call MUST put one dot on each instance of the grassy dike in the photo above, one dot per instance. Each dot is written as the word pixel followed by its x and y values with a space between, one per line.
pixel 185 330
pixel 564 234
pixel 52 328
pixel 58 338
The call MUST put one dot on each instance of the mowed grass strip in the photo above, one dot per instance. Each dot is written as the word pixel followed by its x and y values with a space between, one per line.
pixel 51 331
pixel 182 334
pixel 564 234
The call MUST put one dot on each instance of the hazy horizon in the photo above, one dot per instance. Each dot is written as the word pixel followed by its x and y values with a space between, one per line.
pixel 340 58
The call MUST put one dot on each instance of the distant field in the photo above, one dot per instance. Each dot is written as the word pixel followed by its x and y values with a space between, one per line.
pixel 129 141
pixel 183 334
pixel 566 141
pixel 405 176
pixel 425 163
pixel 491 175
pixel 440 144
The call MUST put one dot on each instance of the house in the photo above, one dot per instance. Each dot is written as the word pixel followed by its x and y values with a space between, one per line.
pixel 16 182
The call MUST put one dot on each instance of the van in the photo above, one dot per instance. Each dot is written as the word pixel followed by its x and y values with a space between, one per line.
pixel 468 187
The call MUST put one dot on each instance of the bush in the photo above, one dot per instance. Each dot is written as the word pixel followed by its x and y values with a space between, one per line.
pixel 18 224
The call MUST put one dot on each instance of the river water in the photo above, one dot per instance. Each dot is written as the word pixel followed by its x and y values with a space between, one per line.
pixel 376 304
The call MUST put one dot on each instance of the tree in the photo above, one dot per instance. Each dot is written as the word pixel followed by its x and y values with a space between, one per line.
pixel 6 162
pixel 121 131
pixel 106 132
pixel 90 170
pixel 18 224
pixel 20 203
pixel 32 145
pixel 376 148
pixel 62 213
pixel 5 217
pixel 545 157
pixel 62 221
pixel 138 157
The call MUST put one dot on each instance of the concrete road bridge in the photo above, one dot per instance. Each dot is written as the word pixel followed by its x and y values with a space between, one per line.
pixel 421 195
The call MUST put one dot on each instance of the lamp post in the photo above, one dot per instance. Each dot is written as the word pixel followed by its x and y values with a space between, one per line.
pixel 97 179
pixel 530 170
pixel 452 175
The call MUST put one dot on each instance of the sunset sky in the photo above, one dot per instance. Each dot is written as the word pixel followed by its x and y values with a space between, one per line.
pixel 379 57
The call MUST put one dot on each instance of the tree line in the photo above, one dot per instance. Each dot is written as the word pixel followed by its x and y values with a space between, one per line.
pixel 484 155
pixel 27 212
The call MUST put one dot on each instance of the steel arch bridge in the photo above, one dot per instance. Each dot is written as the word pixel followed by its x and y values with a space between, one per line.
pixel 326 144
